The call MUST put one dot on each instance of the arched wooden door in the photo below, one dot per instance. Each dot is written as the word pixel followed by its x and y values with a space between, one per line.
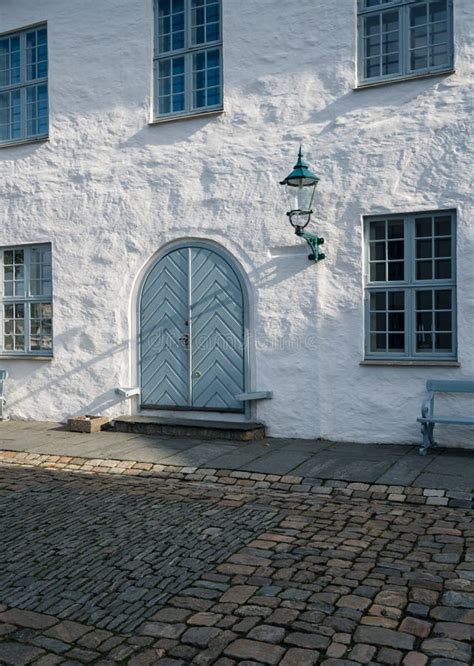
pixel 192 332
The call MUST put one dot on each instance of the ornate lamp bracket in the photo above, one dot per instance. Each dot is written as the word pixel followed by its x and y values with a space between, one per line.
pixel 314 242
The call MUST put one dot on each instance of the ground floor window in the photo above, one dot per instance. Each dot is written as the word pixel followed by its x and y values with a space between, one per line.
pixel 26 301
pixel 410 286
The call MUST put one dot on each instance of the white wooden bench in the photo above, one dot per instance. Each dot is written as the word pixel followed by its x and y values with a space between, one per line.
pixel 428 419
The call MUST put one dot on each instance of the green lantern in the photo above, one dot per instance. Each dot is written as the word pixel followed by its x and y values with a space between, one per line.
pixel 300 187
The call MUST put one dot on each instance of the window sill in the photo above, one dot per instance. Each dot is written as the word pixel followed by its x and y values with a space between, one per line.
pixel 24 357
pixel 402 79
pixel 187 116
pixel 23 142
pixel 418 363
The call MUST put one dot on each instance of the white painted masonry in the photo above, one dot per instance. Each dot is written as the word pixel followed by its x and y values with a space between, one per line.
pixel 109 190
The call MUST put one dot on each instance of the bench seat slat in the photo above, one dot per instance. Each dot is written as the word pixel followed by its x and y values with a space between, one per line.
pixel 447 419
pixel 450 385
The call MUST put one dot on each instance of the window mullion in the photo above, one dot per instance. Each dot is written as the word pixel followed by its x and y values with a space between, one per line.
pixel 26 323
pixel 410 319
pixel 188 61
pixel 187 24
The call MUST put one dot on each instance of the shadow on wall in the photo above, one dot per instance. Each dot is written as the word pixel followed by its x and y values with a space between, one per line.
pixel 60 384
pixel 275 270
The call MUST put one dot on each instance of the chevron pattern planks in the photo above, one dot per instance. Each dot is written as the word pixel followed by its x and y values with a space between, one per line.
pixel 163 311
pixel 217 332
pixel 192 291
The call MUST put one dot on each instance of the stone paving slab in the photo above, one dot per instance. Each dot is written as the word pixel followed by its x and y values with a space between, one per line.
pixel 119 562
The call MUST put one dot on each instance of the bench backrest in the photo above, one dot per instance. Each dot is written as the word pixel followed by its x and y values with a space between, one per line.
pixel 450 386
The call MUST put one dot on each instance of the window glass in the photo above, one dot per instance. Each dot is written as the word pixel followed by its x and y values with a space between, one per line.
pixel 192 80
pixel 24 107
pixel 26 310
pixel 418 319
pixel 422 27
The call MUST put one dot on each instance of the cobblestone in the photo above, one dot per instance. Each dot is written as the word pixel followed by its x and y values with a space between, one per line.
pixel 116 568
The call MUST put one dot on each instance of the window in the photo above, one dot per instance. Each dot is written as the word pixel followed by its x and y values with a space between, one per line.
pixel 188 57
pixel 26 302
pixel 24 85
pixel 411 286
pixel 400 38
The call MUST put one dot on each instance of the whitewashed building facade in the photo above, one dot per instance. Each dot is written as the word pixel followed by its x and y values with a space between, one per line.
pixel 143 142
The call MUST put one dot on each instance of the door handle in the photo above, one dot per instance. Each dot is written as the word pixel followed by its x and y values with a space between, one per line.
pixel 197 374
pixel 184 339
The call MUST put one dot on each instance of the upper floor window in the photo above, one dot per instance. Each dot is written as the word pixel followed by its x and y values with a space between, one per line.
pixel 403 38
pixel 26 301
pixel 188 57
pixel 24 85
pixel 410 284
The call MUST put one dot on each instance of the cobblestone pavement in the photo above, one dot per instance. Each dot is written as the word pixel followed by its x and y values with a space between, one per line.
pixel 145 568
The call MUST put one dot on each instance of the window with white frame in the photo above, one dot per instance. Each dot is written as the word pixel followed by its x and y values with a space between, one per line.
pixel 188 57
pixel 410 286
pixel 26 301
pixel 24 85
pixel 402 38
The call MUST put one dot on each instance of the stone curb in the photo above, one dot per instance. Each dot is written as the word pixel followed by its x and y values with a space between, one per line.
pixel 328 488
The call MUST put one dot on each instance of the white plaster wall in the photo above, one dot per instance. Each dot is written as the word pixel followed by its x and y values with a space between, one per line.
pixel 109 190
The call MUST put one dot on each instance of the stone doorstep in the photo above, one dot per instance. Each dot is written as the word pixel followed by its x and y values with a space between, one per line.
pixel 189 428
pixel 234 479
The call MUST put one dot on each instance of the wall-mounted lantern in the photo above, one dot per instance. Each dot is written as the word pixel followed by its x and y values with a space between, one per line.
pixel 300 187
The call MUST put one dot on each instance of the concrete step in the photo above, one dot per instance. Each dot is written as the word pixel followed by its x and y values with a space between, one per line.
pixel 192 428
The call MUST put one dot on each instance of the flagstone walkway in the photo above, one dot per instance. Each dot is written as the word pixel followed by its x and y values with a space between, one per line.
pixel 383 464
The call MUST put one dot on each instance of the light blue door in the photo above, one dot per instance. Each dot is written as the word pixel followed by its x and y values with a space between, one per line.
pixel 192 333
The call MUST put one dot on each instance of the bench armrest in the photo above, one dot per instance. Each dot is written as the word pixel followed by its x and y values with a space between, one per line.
pixel 427 406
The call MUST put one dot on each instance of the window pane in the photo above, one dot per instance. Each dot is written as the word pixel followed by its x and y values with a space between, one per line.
pixel 395 229
pixel 381 44
pixel 170 25
pixel 424 249
pixel 378 272
pixel 396 300
pixel 396 321
pixel 396 270
pixel 171 78
pixel 205 21
pixel 206 79
pixel 443 226
pixel 443 247
pixel 438 10
pixel 424 321
pixel 419 14
pixel 377 230
pixel 396 342
pixel 444 342
pixel 40 327
pixel 377 251
pixel 443 299
pixel 443 269
pixel 424 270
pixel 443 321
pixel 378 342
pixel 424 226
pixel 14 327
pixel 424 300
pixel 378 300
pixel 37 110
pixel 395 249
pixel 419 59
pixel 429 35
pixel 10 115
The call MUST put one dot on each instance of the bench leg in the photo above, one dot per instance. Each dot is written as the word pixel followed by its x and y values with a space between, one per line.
pixel 431 435
pixel 428 441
